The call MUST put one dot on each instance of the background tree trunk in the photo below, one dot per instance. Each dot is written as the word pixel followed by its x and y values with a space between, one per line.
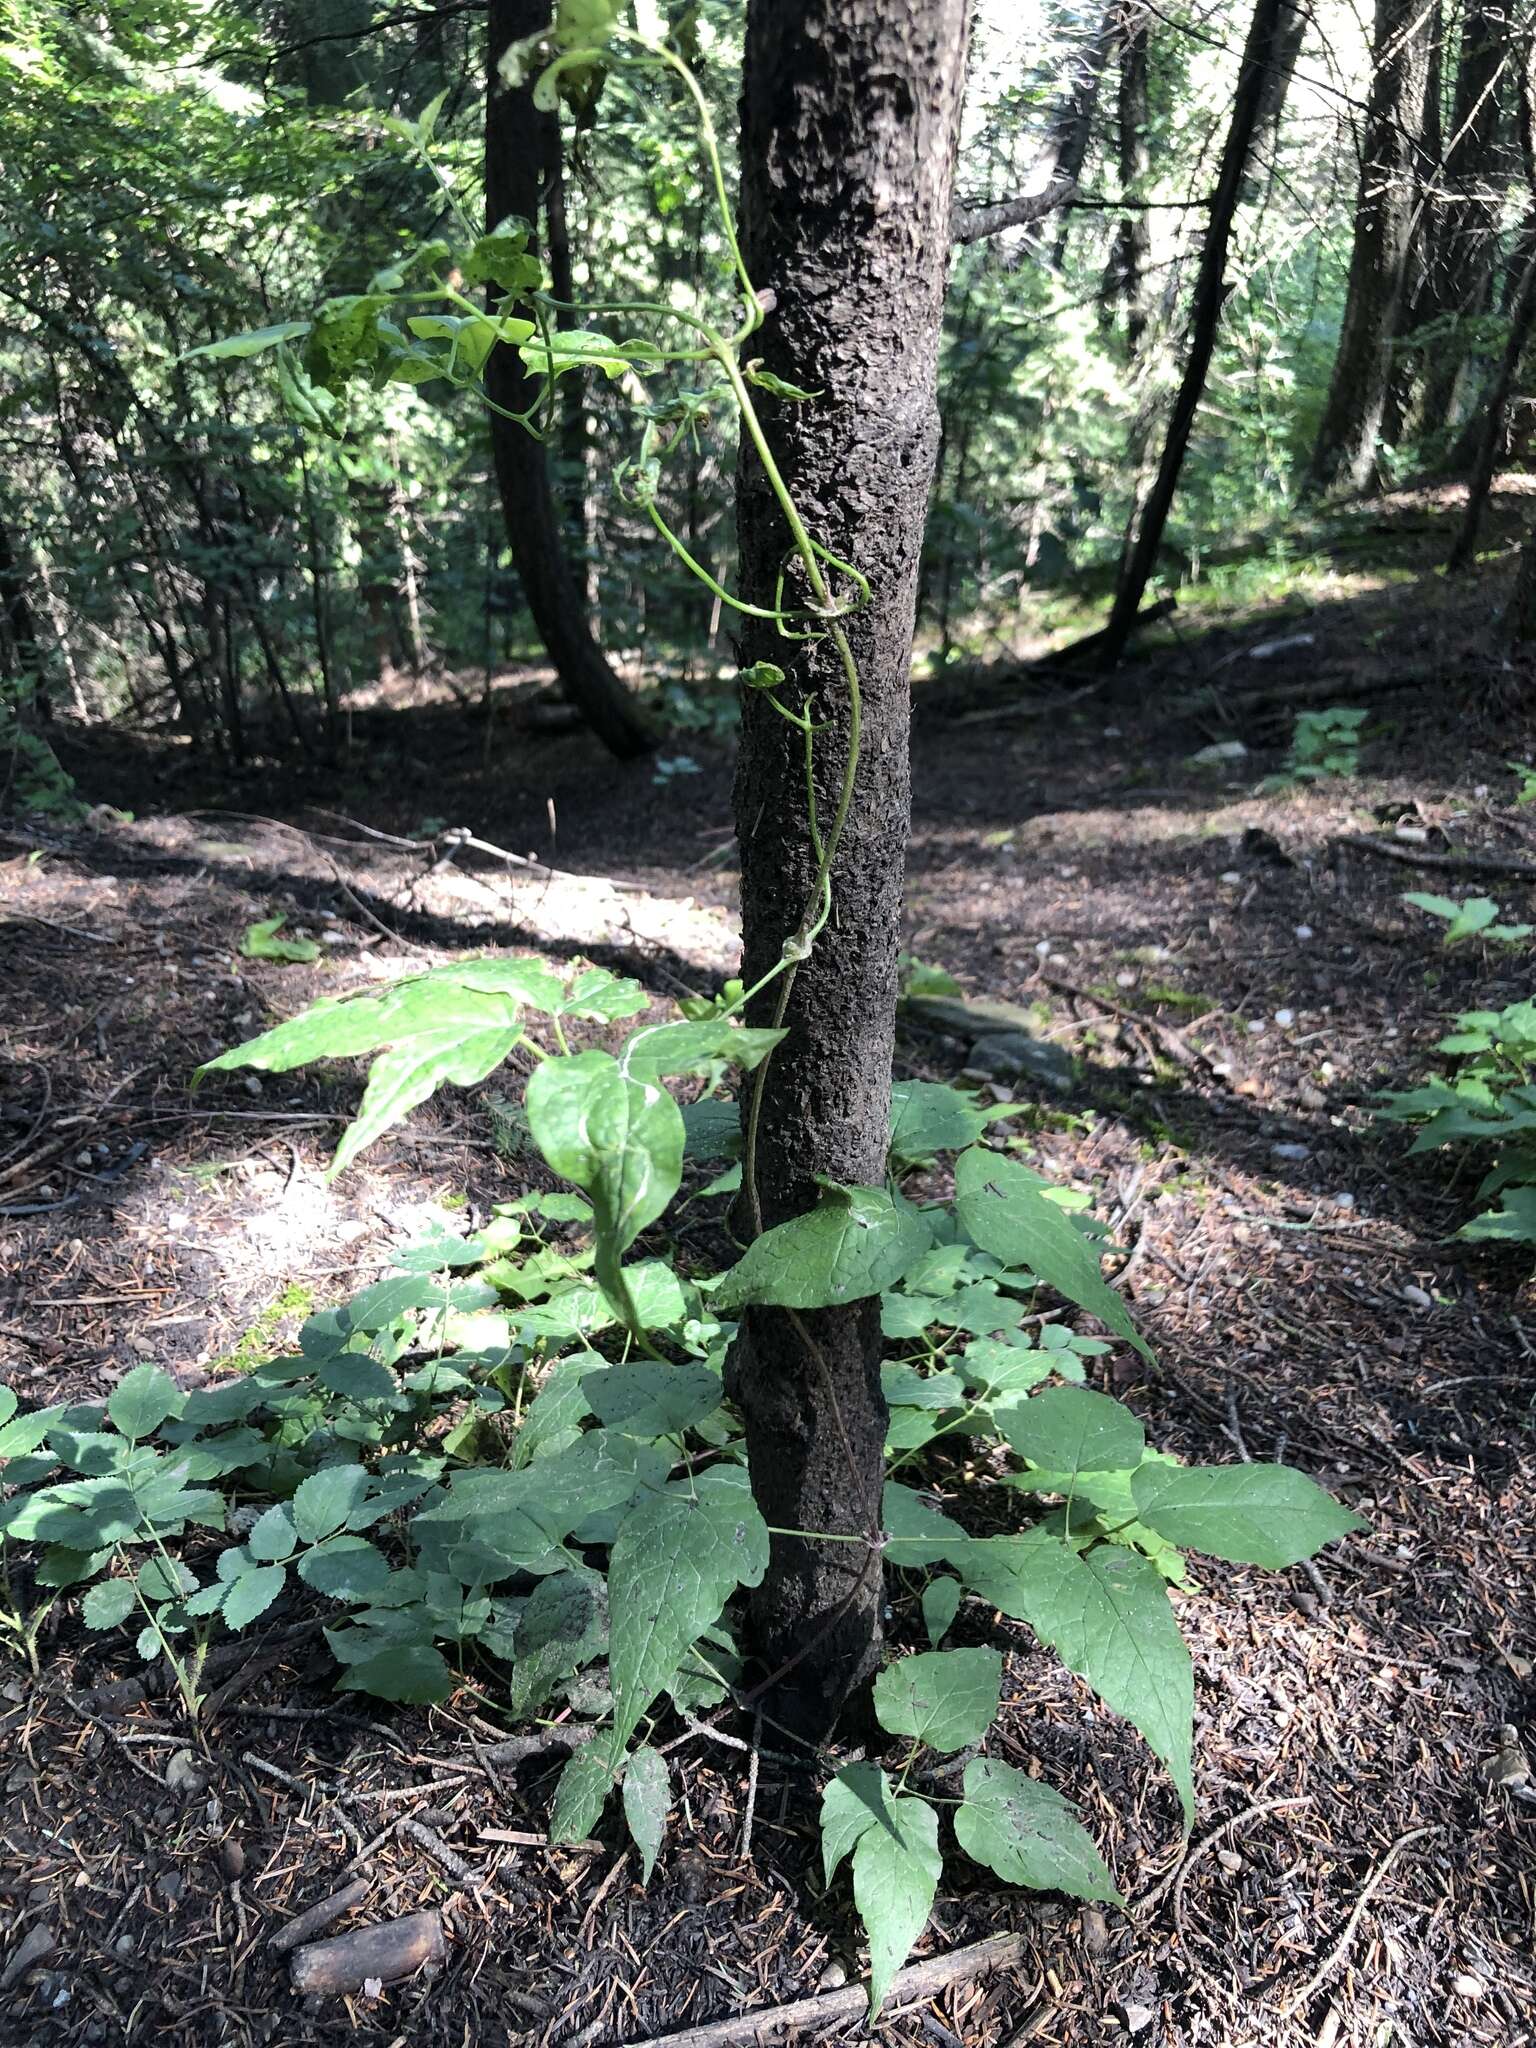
pixel 1133 237
pixel 1205 321
pixel 517 147
pixel 850 117
pixel 1345 453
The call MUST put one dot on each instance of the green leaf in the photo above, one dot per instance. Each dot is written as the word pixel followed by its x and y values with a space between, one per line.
pixel 252 1594
pixel 896 1864
pixel 941 1603
pixel 855 1243
pixel 562 1627
pixel 691 1048
pixel 345 1568
pixel 1268 1515
pixel 1005 1209
pixel 142 1400
pixel 164 1579
pixel 677 1558
pixel 326 1500
pixel 491 1524
pixel 413 1673
pixel 928 1118
pixel 946 1698
pixel 619 1139
pixel 108 1603
pixel 252 343
pixel 262 943
pixel 271 1536
pixel 651 1400
pixel 7 1404
pixel 581 1794
pixel 1028 1834
pixel 647 1796
pixel 1071 1429
pixel 1107 1617
pixel 407 1074
pixel 915 1534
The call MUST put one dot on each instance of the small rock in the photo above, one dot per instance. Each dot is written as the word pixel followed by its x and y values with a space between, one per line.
pixel 1294 1152
pixel 1136 2018
pixel 1344 1201
pixel 252 1084
pixel 1257 1024
pixel 231 1860
pixel 1095 1930
pixel 1303 932
pixel 1417 1296
pixel 1231 876
pixel 1310 1097
pixel 1285 1017
pixel 182 1775
pixel 1466 1985
pixel 36 1944
pixel 170 1885
pixel 1218 753
pixel 832 1978
pixel 1229 1860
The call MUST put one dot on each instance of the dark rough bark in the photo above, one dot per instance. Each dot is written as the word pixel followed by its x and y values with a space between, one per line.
pixel 849 121
pixel 18 629
pixel 1345 453
pixel 1464 228
pixel 1072 123
pixel 517 149
pixel 1522 323
pixel 1133 236
pixel 1295 20
pixel 1205 321
pixel 1520 616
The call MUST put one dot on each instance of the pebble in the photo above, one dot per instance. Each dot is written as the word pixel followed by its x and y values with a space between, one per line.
pixel 1303 931
pixel 1284 1017
pixel 1256 1025
pixel 1232 876
pixel 1417 1296
pixel 1466 1985
pixel 182 1775
pixel 832 1978
pixel 1345 1201
pixel 1296 1152
pixel 1229 1860
pixel 1137 2017
pixel 231 1860
pixel 1125 978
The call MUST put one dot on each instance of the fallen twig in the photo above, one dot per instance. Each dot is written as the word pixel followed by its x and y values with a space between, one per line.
pixel 1181 1870
pixel 1447 863
pixel 1340 1949
pixel 382 1954
pixel 320 1916
pixel 917 1980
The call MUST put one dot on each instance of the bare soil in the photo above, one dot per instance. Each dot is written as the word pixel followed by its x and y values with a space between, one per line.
pixel 1235 975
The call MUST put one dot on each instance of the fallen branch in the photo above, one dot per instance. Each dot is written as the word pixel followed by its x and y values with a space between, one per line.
pixel 917 1980
pixel 1068 657
pixel 1447 863
pixel 1186 1054
pixel 383 1954
pixel 1340 1949
pixel 320 1916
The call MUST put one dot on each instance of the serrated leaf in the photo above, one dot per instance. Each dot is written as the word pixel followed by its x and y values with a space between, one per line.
pixel 252 1594
pixel 1267 1515
pixel 142 1400
pixel 562 1627
pixel 1072 1429
pixel 619 1139
pixel 271 1536
pixel 22 1434
pixel 649 1400
pixel 108 1603
pixel 941 1603
pixel 345 1568
pixel 581 1794
pixel 161 1578
pixel 356 1377
pixel 647 1793
pixel 928 1117
pixel 413 1673
pixel 1005 1209
pixel 490 1524
pixel 946 1698
pixel 1107 1617
pixel 855 1243
pixel 676 1559
pixel 896 1864
pixel 915 1534
pixel 326 1500
pixel 1028 1834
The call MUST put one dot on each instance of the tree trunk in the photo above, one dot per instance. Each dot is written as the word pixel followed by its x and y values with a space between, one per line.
pixel 1522 322
pixel 1071 129
pixel 517 142
pixel 1205 321
pixel 18 630
pixel 1463 242
pixel 1345 454
pixel 1128 265
pixel 850 116
pixel 1519 620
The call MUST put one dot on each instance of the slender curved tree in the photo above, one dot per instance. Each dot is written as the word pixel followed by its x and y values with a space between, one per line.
pixel 850 117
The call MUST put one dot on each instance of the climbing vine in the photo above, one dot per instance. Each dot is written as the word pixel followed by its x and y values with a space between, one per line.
pixel 510 1466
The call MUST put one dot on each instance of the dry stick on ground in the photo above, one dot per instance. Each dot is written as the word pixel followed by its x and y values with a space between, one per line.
pixel 1340 1949
pixel 1181 1870
pixel 1186 1054
pixel 1449 863
pixel 917 1980
pixel 320 1916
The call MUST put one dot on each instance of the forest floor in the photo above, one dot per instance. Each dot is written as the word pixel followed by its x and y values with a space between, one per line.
pixel 1234 973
